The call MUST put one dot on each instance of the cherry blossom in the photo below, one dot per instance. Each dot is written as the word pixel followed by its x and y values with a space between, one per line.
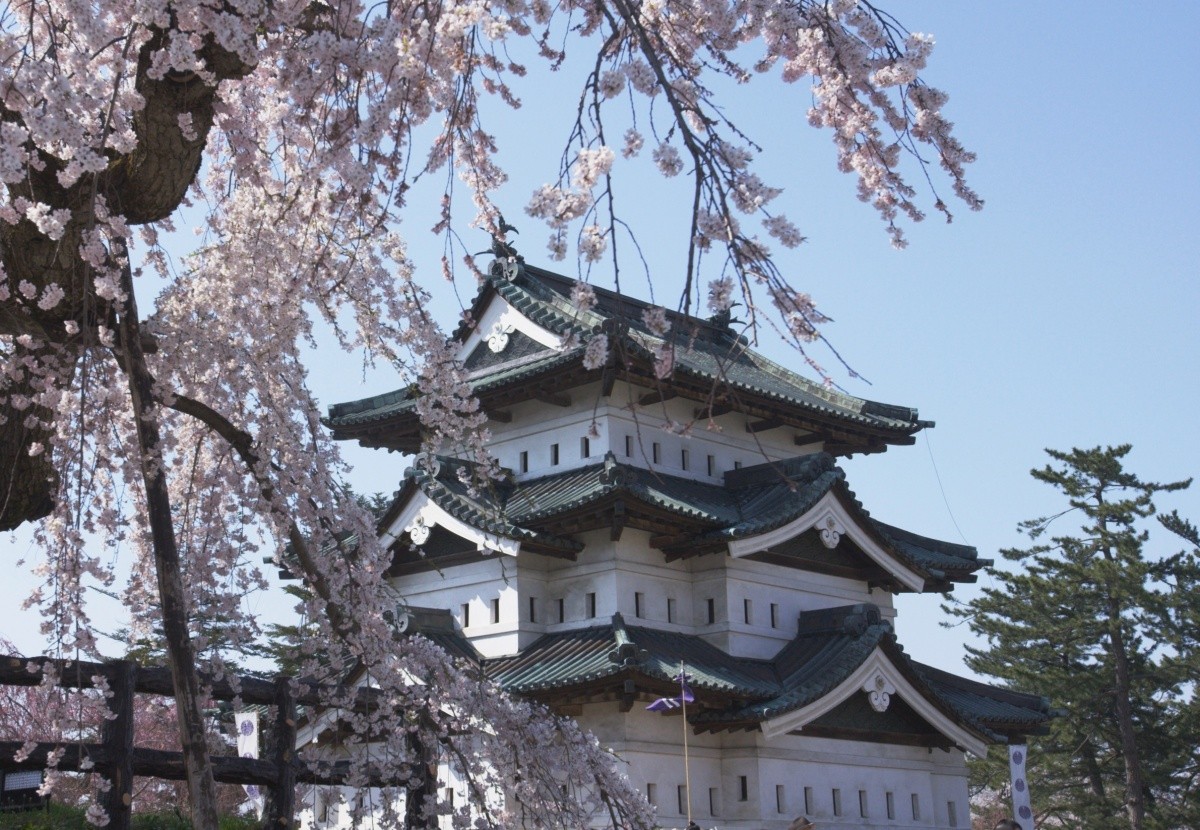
pixel 181 438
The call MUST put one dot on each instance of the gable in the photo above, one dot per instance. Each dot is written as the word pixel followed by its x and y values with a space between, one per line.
pixel 502 331
pixel 501 348
pixel 835 525
pixel 881 682
pixel 856 720
pixel 807 552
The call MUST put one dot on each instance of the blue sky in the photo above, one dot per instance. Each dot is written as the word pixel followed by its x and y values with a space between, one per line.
pixel 1063 314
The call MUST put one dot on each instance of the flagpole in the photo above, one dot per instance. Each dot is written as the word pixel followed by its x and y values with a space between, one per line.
pixel 687 771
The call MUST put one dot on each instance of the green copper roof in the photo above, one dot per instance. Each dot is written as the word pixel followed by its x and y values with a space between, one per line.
pixel 544 497
pixel 480 505
pixel 707 355
pixel 997 708
pixel 732 690
pixel 752 500
pixel 573 658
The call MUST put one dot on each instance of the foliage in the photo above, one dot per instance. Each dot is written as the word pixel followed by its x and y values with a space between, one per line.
pixel 1101 627
pixel 185 434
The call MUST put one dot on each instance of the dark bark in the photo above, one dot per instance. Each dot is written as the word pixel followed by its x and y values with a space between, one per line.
pixel 172 592
pixel 280 806
pixel 1135 800
pixel 117 737
pixel 145 185
pixel 421 800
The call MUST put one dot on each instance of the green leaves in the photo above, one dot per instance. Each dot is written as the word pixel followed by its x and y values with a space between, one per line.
pixel 1103 626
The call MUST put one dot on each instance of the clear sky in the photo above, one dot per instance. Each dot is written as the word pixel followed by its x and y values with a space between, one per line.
pixel 1063 314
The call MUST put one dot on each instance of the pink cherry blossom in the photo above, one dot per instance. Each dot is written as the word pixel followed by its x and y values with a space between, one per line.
pixel 287 136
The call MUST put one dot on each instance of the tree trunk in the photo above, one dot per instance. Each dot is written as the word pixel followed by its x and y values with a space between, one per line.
pixel 172 594
pixel 1135 801
pixel 144 185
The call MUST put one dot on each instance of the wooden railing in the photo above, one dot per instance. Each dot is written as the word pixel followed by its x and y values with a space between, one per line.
pixel 119 759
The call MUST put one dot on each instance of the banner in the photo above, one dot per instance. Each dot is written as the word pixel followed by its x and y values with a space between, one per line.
pixel 247 747
pixel 1020 786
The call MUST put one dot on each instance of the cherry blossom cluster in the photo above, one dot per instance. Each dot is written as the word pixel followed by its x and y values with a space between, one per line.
pixel 292 132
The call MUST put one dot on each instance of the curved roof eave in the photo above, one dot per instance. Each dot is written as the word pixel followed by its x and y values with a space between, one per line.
pixel 426 502
pixel 880 677
pixel 835 519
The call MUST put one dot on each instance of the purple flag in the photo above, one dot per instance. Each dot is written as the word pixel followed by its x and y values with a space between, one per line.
pixel 670 704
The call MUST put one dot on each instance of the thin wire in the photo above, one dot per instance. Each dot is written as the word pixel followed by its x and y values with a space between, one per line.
pixel 687 771
pixel 938 476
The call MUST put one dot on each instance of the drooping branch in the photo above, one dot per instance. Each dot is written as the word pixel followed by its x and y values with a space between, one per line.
pixel 144 185
pixel 243 444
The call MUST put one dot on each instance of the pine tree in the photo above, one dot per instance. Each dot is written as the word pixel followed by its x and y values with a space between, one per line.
pixel 1104 629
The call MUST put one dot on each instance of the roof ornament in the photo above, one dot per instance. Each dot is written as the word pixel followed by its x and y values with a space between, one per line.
pixel 497 340
pixel 428 463
pixel 402 621
pixel 418 532
pixel 507 261
pixel 831 531
pixel 613 474
pixel 628 655
pixel 724 318
pixel 879 691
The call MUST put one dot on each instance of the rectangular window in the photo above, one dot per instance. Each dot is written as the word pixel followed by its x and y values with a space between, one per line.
pixel 737 465
pixel 774 615
pixel 495 611
pixel 952 813
pixel 524 461
pixel 466 615
pixel 808 801
pixel 554 455
pixel 712 465
pixel 585 447
pixel 890 804
pixel 743 788
pixel 780 799
pixel 628 446
pixel 681 798
pixel 656 451
pixel 714 802
pixel 747 610
pixel 837 801
pixel 862 803
pixel 711 606
pixel 448 796
pixel 916 807
pixel 637 603
pixel 533 609
pixel 327 806
pixel 670 609
pixel 562 610
pixel 591 605
pixel 652 794
pixel 683 458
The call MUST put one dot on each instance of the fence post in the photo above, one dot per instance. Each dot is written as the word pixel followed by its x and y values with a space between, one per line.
pixel 280 807
pixel 116 737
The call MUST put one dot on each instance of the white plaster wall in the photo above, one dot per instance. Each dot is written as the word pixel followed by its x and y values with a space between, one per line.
pixel 476 585
pixel 634 434
pixel 615 573
pixel 651 747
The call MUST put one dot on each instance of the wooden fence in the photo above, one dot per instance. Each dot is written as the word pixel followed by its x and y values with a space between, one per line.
pixel 117 757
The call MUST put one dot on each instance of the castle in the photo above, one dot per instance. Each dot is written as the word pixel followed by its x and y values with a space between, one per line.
pixel 730 543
